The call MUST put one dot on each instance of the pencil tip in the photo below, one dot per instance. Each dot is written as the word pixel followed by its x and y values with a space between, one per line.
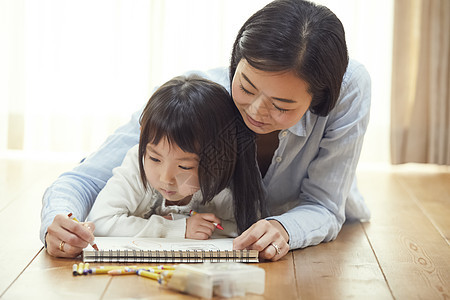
pixel 95 247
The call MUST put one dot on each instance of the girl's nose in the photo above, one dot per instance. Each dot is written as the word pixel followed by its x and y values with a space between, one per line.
pixel 167 176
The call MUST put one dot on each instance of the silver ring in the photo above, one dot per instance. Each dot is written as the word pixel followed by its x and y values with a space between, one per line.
pixel 276 248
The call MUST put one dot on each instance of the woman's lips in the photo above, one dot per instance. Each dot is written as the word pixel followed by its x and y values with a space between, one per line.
pixel 254 122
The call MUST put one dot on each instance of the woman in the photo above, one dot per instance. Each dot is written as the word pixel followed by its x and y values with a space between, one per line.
pixel 294 86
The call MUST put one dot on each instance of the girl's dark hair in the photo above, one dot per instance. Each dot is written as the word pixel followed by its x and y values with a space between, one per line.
pixel 200 117
pixel 300 36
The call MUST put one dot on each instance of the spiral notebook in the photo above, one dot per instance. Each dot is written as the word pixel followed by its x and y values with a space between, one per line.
pixel 159 250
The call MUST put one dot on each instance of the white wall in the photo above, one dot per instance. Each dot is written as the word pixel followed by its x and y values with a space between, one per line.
pixel 75 70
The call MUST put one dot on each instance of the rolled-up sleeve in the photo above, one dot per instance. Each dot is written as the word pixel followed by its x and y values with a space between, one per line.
pixel 75 191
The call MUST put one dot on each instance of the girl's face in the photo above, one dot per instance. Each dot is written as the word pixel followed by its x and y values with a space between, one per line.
pixel 171 171
pixel 269 101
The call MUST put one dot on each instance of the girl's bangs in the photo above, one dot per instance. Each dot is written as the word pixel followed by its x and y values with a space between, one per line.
pixel 176 133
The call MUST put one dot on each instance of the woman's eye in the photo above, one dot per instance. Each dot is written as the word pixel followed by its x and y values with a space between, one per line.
pixel 185 168
pixel 280 109
pixel 243 89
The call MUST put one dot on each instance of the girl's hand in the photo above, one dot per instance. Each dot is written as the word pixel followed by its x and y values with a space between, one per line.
pixel 67 238
pixel 268 237
pixel 200 226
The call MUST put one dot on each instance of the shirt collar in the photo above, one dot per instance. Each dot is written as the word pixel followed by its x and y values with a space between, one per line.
pixel 299 129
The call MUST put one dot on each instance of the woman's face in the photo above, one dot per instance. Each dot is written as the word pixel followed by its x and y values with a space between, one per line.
pixel 269 101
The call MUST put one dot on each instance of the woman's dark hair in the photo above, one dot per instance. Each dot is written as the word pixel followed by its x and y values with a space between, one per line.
pixel 200 117
pixel 298 36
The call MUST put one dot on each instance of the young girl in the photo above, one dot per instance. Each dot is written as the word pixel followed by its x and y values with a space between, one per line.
pixel 193 146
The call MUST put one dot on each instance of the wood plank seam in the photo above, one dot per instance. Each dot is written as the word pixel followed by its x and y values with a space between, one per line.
pixel 376 258
pixel 422 208
pixel 295 273
pixel 34 257
pixel 102 296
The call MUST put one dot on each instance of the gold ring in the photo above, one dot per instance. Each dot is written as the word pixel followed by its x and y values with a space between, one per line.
pixel 276 248
pixel 61 246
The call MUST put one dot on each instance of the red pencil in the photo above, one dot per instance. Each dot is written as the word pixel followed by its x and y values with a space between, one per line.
pixel 191 213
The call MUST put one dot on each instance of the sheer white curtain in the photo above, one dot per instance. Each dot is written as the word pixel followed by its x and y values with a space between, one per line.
pixel 420 105
pixel 72 71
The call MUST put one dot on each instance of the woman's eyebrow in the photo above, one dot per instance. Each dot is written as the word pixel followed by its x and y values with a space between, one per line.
pixel 284 100
pixel 249 81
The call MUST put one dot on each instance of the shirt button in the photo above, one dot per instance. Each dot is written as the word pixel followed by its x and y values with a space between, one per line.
pixel 284 133
pixel 278 159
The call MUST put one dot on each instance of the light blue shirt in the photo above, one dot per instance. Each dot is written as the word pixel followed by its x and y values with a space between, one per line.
pixel 310 183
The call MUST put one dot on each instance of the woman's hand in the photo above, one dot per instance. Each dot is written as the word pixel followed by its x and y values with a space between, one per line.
pixel 67 238
pixel 200 226
pixel 268 237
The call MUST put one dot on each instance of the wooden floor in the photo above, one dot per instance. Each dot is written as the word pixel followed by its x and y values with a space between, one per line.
pixel 402 253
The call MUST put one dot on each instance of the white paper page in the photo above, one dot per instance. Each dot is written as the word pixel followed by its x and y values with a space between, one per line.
pixel 133 243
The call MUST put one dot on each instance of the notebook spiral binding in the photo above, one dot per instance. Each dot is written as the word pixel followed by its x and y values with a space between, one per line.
pixel 171 256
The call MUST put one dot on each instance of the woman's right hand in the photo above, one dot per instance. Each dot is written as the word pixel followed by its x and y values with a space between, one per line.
pixel 200 226
pixel 67 238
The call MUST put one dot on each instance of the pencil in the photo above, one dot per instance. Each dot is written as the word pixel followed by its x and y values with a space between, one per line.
pixel 164 267
pixel 123 271
pixel 86 269
pixel 106 269
pixel 75 270
pixel 93 244
pixel 103 270
pixel 148 274
pixel 191 213
pixel 80 268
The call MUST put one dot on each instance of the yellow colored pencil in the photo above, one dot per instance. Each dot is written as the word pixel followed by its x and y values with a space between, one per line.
pixel 125 271
pixel 106 269
pixel 164 267
pixel 80 268
pixel 147 274
pixel 93 244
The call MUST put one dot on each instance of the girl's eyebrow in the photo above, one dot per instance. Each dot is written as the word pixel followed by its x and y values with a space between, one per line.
pixel 196 159
pixel 149 148
pixel 188 159
pixel 274 98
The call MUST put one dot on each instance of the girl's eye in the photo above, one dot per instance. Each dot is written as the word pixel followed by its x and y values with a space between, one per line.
pixel 282 110
pixel 185 168
pixel 243 89
pixel 154 159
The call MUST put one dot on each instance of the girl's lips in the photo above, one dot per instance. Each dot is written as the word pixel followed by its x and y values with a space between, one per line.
pixel 168 192
pixel 254 122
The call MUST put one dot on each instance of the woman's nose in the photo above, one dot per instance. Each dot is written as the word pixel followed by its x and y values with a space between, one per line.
pixel 259 107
